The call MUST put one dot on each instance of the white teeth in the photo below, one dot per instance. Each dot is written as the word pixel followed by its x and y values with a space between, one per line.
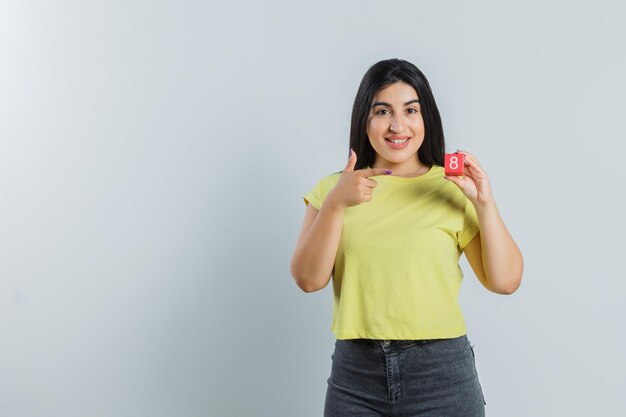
pixel 398 140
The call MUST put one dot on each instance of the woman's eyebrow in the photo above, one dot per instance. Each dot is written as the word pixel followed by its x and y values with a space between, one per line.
pixel 382 103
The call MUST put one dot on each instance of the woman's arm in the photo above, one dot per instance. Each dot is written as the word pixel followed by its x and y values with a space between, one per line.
pixel 493 251
pixel 313 260
pixel 314 257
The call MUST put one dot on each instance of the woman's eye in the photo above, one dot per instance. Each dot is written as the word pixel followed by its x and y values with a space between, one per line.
pixel 411 111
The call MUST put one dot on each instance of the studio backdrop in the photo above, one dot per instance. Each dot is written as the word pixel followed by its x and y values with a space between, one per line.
pixel 153 159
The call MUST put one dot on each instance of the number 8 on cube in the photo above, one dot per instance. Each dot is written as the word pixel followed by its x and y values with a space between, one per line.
pixel 454 164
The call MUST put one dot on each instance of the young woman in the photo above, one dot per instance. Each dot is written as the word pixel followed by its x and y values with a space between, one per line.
pixel 390 229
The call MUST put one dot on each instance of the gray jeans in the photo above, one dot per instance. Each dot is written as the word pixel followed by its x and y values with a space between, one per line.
pixel 411 378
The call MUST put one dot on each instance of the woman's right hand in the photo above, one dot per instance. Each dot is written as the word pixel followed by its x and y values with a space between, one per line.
pixel 354 187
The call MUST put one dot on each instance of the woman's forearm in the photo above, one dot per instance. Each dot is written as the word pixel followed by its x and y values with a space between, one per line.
pixel 502 259
pixel 313 259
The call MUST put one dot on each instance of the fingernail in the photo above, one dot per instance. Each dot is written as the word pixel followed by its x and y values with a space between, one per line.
pixel 387 171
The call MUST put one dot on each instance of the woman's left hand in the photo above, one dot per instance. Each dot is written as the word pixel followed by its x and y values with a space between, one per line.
pixel 474 183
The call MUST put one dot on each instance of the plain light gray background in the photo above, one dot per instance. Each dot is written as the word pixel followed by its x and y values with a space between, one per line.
pixel 153 159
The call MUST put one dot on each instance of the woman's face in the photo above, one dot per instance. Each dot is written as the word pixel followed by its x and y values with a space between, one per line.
pixel 395 113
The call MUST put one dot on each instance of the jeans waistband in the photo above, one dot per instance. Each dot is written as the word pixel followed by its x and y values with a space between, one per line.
pixel 403 342
pixel 393 342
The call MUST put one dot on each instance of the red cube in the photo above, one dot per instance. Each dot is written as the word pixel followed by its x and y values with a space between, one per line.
pixel 454 164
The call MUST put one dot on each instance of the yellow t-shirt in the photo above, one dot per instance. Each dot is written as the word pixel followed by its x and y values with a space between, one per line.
pixel 396 273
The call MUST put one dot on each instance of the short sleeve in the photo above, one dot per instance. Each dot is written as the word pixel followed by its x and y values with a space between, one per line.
pixel 318 193
pixel 470 225
pixel 313 197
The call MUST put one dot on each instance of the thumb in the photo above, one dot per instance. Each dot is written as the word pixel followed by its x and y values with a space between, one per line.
pixel 351 161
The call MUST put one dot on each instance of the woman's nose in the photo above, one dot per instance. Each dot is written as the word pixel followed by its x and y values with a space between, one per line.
pixel 396 125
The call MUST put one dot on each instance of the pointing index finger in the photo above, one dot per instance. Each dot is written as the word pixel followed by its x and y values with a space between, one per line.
pixel 371 172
